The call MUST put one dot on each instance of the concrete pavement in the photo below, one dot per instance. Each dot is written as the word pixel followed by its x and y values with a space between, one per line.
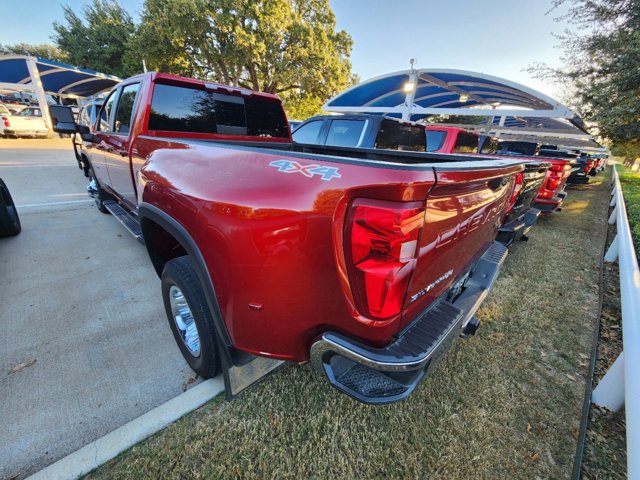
pixel 84 341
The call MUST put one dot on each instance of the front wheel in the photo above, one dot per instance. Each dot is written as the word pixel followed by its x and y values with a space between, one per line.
pixel 96 191
pixel 189 316
pixel 9 220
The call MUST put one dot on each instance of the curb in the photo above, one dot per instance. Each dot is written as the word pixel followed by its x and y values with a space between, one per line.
pixel 102 450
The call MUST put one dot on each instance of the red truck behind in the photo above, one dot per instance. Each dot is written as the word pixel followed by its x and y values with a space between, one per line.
pixel 551 194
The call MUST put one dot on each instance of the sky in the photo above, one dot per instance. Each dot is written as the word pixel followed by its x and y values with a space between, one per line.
pixel 496 37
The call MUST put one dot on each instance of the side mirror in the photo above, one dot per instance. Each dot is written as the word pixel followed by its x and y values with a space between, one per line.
pixel 85 133
pixel 62 119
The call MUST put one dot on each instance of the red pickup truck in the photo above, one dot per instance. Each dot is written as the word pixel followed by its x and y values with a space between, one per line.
pixel 551 193
pixel 369 263
pixel 521 214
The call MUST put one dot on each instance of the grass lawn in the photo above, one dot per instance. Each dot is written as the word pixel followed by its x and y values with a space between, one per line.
pixel 630 182
pixel 503 404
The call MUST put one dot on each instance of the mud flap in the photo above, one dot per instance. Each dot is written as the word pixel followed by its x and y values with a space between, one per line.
pixel 251 370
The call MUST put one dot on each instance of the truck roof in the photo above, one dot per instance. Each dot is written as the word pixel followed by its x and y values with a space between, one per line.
pixel 170 78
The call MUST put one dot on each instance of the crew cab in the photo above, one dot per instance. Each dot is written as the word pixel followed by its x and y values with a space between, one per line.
pixel 361 131
pixel 521 215
pixel 369 263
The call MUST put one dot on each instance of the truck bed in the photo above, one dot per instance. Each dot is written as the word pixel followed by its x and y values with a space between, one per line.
pixel 370 156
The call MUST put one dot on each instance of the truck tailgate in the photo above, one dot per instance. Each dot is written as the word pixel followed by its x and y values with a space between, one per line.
pixel 464 211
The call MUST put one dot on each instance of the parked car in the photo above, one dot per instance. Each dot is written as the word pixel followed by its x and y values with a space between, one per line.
pixel 370 263
pixel 29 122
pixel 9 219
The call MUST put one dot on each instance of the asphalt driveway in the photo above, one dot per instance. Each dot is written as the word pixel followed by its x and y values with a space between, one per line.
pixel 84 342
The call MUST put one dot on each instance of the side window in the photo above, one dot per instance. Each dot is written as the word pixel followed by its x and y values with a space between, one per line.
pixel 124 110
pixel 106 114
pixel 83 116
pixel 308 133
pixel 344 133
pixel 466 143
pixel 435 139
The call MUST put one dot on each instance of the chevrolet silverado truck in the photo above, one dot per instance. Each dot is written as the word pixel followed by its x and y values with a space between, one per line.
pixel 369 263
pixel 552 192
pixel 521 214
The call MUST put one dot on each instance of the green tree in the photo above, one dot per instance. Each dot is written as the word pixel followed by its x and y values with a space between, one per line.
pixel 42 50
pixel 286 47
pixel 601 62
pixel 101 41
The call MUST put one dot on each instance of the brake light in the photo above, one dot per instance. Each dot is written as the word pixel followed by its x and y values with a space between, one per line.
pixel 589 166
pixel 382 242
pixel 5 120
pixel 555 174
pixel 517 187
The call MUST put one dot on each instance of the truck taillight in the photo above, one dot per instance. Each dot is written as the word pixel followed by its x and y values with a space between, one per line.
pixel 555 174
pixel 382 241
pixel 589 166
pixel 5 120
pixel 517 187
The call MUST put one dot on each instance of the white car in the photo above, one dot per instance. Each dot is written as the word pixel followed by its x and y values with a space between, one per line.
pixel 28 123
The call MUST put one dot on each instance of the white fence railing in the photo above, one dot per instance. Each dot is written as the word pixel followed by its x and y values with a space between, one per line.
pixel 621 384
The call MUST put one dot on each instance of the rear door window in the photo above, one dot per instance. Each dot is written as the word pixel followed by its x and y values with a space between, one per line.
pixel 345 133
pixel 184 109
pixel 309 132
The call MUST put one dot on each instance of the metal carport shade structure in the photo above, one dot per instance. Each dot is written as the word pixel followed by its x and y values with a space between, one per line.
pixel 40 76
pixel 510 107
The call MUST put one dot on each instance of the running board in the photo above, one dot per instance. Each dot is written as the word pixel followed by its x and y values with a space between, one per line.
pixel 125 218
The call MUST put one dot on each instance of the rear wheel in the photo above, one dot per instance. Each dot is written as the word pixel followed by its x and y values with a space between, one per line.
pixel 189 316
pixel 9 220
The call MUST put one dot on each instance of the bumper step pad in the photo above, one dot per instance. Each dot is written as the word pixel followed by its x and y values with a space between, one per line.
pixel 389 374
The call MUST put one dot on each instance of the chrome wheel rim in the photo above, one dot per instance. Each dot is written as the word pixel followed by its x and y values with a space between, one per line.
pixel 184 321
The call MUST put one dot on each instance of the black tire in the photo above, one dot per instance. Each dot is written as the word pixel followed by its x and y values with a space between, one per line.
pixel 9 220
pixel 84 165
pixel 100 196
pixel 181 273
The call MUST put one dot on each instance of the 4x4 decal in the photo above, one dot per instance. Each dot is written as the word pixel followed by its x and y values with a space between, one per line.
pixel 289 166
